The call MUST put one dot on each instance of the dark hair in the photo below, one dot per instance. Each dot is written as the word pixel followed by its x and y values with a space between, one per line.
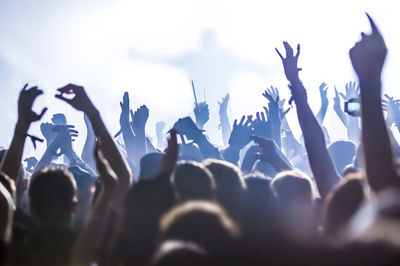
pixel 193 181
pixel 342 203
pixel 52 194
pixel 231 188
pixel 202 222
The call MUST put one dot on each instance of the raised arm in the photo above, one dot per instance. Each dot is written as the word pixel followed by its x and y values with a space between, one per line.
pixel 12 162
pixel 90 142
pixel 352 90
pixel 185 126
pixel 224 119
pixel 321 163
pixel 368 57
pixel 337 107
pixel 240 137
pixel 323 91
pixel 81 102
pixel 202 114
pixel 126 129
pixel 89 240
pixel 139 120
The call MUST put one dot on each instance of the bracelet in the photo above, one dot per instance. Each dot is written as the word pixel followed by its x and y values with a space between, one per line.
pixel 24 135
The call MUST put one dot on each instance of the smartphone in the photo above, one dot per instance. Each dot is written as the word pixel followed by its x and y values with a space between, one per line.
pixel 353 107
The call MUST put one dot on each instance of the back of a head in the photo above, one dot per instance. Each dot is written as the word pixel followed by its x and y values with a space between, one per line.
pixel 146 202
pixel 259 190
pixel 201 222
pixel 342 153
pixel 342 203
pixel 292 186
pixel 149 165
pixel 52 195
pixel 229 184
pixel 259 211
pixel 295 203
pixel 193 181
pixel 180 253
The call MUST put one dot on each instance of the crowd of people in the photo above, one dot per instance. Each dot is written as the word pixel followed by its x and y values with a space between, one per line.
pixel 262 198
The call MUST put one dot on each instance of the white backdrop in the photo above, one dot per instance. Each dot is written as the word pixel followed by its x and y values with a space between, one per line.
pixel 154 48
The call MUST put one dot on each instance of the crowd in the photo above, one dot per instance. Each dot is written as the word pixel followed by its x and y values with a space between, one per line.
pixel 262 198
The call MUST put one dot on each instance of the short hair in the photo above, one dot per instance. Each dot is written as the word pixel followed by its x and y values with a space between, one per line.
pixel 150 164
pixel 202 222
pixel 230 186
pixel 52 194
pixel 193 181
pixel 342 203
pixel 292 185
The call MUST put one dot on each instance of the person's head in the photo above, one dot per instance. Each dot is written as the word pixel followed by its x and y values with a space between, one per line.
pixel 231 188
pixel 259 210
pixel 295 202
pixel 179 253
pixel 342 203
pixel 201 222
pixel 193 181
pixel 342 153
pixel 145 203
pixel 259 195
pixel 292 186
pixel 53 196
pixel 149 165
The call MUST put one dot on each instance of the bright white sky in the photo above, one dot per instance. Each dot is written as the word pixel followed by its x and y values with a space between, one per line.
pixel 111 46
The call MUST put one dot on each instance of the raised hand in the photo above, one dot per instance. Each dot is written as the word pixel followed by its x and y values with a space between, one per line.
pixel 271 153
pixel 241 132
pixel 323 92
pixel 185 126
pixel 274 102
pixel 224 120
pixel 124 118
pixel 171 154
pixel 47 132
pixel 352 91
pixel 202 114
pixel 139 118
pixel 337 107
pixel 393 109
pixel 25 102
pixel 80 99
pixel 223 104
pixel 368 55
pixel 63 139
pixel 160 125
pixel 267 147
pixel 290 62
pixel 261 127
